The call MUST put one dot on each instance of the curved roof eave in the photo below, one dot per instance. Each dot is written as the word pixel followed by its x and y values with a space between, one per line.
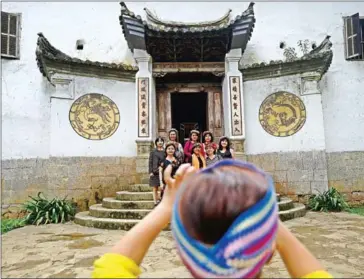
pixel 47 54
pixel 135 29
pixel 318 60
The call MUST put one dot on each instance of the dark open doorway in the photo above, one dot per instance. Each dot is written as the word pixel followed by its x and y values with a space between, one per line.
pixel 189 111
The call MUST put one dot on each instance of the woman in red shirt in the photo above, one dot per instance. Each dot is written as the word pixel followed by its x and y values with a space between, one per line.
pixel 189 145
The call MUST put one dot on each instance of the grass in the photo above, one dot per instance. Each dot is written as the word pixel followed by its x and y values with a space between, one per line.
pixel 11 224
pixel 357 210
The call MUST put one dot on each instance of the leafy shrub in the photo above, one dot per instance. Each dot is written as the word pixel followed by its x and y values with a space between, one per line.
pixel 330 200
pixel 43 211
pixel 11 224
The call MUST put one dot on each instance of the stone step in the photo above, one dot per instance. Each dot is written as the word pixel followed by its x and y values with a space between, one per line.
pixel 117 204
pixel 98 211
pixel 84 219
pixel 134 196
pixel 299 210
pixel 285 204
pixel 140 188
pixel 139 209
pixel 143 196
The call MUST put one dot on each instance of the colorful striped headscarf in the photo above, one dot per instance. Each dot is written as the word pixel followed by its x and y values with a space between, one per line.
pixel 246 246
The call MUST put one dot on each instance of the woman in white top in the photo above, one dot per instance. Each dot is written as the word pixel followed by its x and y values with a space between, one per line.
pixel 173 137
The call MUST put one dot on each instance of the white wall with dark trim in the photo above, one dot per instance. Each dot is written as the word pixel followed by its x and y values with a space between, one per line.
pixel 26 106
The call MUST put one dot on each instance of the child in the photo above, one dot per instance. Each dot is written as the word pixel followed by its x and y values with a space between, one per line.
pixel 230 230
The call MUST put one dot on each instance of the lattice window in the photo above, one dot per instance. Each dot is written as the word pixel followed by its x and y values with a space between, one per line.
pixel 10 35
pixel 354 37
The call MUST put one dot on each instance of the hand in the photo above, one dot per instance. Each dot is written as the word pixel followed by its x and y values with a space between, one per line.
pixel 151 174
pixel 173 184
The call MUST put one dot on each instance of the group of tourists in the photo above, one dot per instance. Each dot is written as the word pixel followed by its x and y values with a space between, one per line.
pixel 199 153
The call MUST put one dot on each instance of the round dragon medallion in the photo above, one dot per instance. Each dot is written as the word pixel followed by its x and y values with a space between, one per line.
pixel 282 114
pixel 94 116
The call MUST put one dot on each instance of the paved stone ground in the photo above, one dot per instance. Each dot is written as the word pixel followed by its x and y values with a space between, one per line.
pixel 68 250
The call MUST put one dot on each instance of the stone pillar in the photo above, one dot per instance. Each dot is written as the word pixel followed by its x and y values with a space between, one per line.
pixel 145 102
pixel 233 101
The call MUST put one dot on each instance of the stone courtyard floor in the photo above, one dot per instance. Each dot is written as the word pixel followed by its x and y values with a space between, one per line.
pixel 69 250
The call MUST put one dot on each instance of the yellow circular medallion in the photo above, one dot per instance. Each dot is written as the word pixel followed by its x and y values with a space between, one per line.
pixel 94 116
pixel 282 114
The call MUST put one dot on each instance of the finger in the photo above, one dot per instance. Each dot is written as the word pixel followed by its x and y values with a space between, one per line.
pixel 190 171
pixel 181 172
pixel 168 175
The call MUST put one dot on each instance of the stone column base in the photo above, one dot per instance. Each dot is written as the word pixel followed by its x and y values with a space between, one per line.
pixel 143 150
pixel 144 147
pixel 238 146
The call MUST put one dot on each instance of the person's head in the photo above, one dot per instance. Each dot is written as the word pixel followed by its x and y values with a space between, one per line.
pixel 210 149
pixel 159 141
pixel 207 137
pixel 224 142
pixel 173 135
pixel 196 149
pixel 194 134
pixel 230 227
pixel 170 149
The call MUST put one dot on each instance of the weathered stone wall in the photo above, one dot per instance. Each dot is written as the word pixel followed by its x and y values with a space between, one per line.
pixel 299 174
pixel 295 174
pixel 86 180
pixel 346 173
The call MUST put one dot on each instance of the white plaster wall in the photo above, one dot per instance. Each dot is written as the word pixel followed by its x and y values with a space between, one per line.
pixel 342 86
pixel 25 112
pixel 63 23
pixel 26 108
pixel 310 137
pixel 66 142
pixel 25 104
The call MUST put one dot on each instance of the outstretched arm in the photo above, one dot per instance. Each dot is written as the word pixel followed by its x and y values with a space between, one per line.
pixel 136 242
pixel 299 262
pixel 125 257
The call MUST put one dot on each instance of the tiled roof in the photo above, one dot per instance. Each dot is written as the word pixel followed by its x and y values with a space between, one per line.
pixel 139 33
pixel 46 53
pixel 153 22
pixel 318 60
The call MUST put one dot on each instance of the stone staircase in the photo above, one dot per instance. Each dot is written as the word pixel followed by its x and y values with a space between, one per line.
pixel 129 207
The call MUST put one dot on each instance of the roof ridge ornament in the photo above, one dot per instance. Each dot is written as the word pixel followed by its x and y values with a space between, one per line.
pixel 325 46
pixel 46 48
pixel 125 10
pixel 153 18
